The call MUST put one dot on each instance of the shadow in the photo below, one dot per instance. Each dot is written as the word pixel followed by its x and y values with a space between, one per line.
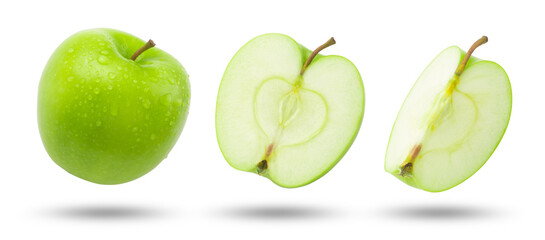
pixel 440 213
pixel 105 213
pixel 276 212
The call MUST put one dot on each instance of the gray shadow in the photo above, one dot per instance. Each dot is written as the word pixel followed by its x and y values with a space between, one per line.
pixel 441 212
pixel 100 212
pixel 277 212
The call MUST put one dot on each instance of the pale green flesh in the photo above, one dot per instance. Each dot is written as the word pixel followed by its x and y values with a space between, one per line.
pixel 458 132
pixel 311 120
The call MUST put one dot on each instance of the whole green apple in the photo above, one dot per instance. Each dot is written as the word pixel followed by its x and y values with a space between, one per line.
pixel 110 106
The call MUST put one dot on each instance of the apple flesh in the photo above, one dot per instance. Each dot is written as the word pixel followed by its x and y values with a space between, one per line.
pixel 451 122
pixel 285 113
pixel 105 117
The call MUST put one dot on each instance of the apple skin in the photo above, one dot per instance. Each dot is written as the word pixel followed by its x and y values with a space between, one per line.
pixel 104 117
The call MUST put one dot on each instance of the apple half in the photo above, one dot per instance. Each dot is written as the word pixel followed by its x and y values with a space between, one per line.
pixel 287 113
pixel 451 122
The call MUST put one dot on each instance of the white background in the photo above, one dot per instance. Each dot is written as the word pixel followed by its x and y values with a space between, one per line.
pixel 195 194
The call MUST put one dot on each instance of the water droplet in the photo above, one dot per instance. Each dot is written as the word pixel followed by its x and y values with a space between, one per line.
pixel 104 52
pixel 154 80
pixel 70 78
pixel 110 87
pixel 125 76
pixel 90 97
pixel 134 129
pixel 152 137
pixel 119 68
pixel 171 123
pixel 146 103
pixel 138 139
pixel 103 60
pixel 171 81
pixel 178 102
pixel 112 75
pixel 134 81
pixel 166 99
pixel 98 123
pixel 71 50
pixel 97 91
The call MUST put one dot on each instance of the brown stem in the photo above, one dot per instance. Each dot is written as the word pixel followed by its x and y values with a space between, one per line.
pixel 146 46
pixel 329 42
pixel 463 63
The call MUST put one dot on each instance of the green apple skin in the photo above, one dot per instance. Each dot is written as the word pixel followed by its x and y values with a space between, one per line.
pixel 104 117
pixel 502 125
pixel 320 145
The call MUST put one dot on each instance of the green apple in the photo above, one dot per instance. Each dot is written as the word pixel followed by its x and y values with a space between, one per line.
pixel 451 122
pixel 287 113
pixel 110 106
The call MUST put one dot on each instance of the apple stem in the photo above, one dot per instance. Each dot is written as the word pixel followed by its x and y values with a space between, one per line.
pixel 146 46
pixel 329 42
pixel 463 63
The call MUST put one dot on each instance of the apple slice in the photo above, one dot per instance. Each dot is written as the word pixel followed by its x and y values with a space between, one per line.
pixel 451 122
pixel 286 113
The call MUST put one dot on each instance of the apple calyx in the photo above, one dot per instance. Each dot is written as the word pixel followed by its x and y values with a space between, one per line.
pixel 149 44
pixel 329 42
pixel 263 164
pixel 406 168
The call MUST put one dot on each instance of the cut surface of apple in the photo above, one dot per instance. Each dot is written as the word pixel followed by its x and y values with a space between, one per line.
pixel 451 122
pixel 285 119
